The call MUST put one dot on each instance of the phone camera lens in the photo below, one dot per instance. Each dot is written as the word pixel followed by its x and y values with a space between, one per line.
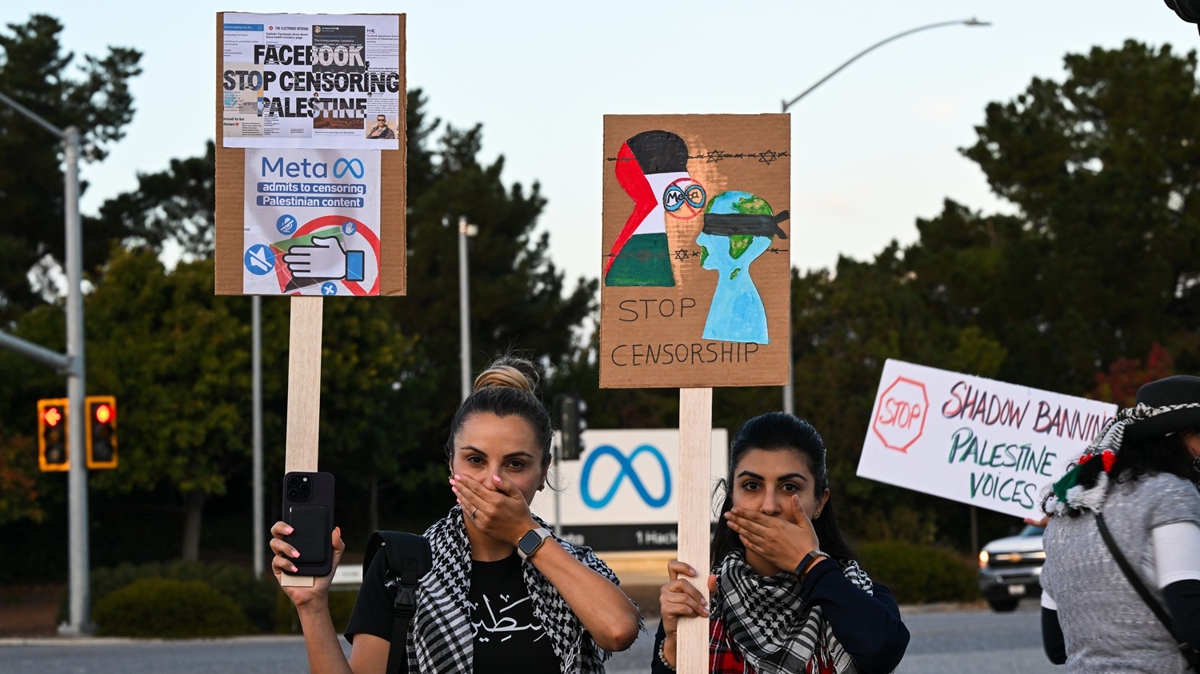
pixel 293 493
pixel 293 481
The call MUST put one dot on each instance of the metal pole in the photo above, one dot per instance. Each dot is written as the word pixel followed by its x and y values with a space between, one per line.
pixel 74 366
pixel 961 22
pixel 38 353
pixel 556 487
pixel 464 308
pixel 789 398
pixel 77 513
pixel 256 424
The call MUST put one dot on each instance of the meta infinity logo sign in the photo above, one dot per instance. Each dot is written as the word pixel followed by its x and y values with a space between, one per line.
pixel 353 165
pixel 627 471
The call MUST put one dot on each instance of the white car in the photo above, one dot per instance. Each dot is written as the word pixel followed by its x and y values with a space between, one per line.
pixel 1011 568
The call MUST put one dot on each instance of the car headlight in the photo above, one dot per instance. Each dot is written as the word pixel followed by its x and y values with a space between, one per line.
pixel 983 558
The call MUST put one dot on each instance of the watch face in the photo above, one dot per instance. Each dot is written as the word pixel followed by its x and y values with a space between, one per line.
pixel 529 542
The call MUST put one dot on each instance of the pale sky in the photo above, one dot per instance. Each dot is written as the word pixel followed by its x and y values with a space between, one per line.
pixel 873 149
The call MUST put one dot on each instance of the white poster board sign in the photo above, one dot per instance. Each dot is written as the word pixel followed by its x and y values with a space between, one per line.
pixel 623 491
pixel 974 440
pixel 311 223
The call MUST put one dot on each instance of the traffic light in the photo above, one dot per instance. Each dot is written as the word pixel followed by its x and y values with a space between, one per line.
pixel 571 409
pixel 52 435
pixel 101 431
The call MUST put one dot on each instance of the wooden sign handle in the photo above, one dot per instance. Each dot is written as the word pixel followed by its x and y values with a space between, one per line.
pixel 304 396
pixel 695 514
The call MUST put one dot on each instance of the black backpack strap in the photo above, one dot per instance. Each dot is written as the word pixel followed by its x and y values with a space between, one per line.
pixel 408 558
pixel 1188 652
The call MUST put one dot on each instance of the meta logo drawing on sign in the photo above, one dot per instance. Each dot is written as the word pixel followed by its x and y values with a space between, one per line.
pixel 627 472
pixel 900 418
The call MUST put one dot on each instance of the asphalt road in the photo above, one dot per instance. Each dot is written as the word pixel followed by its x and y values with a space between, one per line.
pixel 955 641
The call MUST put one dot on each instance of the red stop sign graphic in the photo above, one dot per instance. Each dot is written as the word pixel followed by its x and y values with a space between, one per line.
pixel 900 414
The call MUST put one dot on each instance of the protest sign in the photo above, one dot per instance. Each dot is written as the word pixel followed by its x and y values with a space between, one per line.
pixel 974 440
pixel 695 276
pixel 695 283
pixel 310 179
pixel 320 81
pixel 262 210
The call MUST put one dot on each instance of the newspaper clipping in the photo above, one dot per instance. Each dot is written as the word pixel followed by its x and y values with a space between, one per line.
pixel 311 81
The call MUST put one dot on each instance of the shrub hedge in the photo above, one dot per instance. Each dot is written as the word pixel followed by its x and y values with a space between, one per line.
pixel 167 608
pixel 919 574
pixel 254 598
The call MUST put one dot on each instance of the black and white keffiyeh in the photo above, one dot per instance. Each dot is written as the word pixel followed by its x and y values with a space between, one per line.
pixel 441 637
pixel 772 627
pixel 1068 496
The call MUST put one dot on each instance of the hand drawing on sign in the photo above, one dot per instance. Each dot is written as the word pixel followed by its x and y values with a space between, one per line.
pixel 738 227
pixel 652 169
pixel 324 259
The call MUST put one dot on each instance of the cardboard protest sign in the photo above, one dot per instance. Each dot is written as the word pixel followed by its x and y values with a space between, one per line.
pixel 974 440
pixel 321 81
pixel 695 281
pixel 292 218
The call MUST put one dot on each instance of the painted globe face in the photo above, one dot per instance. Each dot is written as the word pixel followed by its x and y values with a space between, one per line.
pixel 738 228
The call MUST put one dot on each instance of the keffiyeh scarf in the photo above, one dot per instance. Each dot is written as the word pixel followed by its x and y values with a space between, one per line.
pixel 1067 496
pixel 767 620
pixel 441 637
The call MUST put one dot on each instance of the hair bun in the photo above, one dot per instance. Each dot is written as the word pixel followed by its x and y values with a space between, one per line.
pixel 514 373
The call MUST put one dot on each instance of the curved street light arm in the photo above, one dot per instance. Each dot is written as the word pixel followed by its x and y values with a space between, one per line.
pixel 960 22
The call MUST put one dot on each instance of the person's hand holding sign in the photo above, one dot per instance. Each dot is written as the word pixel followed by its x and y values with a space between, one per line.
pixel 325 259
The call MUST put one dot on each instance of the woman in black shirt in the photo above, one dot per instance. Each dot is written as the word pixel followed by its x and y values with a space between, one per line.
pixel 504 594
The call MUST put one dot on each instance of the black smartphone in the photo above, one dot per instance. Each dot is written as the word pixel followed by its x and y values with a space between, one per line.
pixel 308 508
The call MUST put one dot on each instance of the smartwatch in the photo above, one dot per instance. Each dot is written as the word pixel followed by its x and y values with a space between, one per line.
pixel 802 567
pixel 531 541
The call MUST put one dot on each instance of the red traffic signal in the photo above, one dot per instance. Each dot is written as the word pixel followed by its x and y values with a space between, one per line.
pixel 52 435
pixel 101 431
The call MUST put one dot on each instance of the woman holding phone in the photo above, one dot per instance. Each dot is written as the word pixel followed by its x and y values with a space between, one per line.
pixel 504 593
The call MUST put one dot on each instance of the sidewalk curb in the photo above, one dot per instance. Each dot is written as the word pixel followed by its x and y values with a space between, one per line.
pixel 125 641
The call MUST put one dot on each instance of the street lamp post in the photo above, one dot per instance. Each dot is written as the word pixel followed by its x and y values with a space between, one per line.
pixel 464 303
pixel 789 403
pixel 73 367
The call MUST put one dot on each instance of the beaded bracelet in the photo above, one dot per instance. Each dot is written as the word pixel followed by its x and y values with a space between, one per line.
pixel 662 656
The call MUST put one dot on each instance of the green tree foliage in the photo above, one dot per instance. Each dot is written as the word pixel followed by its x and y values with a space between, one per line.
pixel 518 296
pixel 1100 261
pixel 178 358
pixel 175 205
pixel 35 72
pixel 1103 167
